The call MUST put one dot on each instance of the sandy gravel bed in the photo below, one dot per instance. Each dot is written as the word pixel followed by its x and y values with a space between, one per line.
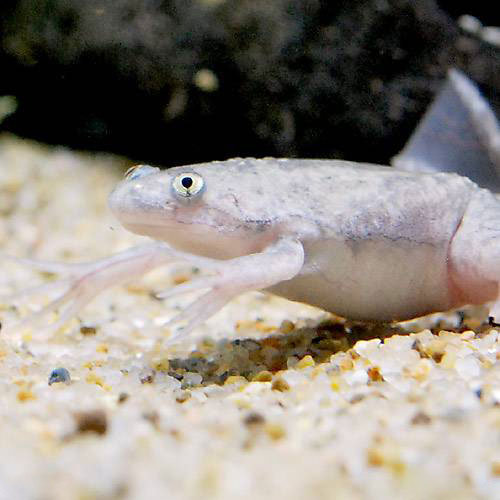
pixel 272 399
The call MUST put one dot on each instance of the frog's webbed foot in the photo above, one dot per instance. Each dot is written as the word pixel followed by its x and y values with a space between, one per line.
pixel 80 283
pixel 279 262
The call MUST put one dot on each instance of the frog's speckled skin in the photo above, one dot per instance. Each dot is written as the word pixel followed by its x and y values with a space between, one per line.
pixel 363 241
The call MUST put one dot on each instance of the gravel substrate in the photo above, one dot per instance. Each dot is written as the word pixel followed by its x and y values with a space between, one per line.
pixel 272 399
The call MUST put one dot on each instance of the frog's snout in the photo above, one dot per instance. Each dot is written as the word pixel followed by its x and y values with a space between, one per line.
pixel 119 201
pixel 139 203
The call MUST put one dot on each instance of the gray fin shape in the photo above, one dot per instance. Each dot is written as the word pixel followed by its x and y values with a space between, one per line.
pixel 459 133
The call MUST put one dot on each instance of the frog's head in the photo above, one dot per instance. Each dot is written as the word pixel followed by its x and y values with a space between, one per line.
pixel 185 207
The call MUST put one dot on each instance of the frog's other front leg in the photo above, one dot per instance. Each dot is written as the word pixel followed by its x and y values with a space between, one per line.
pixel 278 262
pixel 474 256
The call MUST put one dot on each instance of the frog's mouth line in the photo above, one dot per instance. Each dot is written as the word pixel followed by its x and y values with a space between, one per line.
pixel 167 229
pixel 158 231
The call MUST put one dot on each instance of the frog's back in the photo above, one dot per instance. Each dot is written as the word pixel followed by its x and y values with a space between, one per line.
pixel 353 200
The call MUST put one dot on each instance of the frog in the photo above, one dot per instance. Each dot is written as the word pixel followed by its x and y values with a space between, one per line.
pixel 363 241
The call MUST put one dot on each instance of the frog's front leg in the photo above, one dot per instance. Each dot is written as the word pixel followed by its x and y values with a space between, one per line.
pixel 80 283
pixel 278 262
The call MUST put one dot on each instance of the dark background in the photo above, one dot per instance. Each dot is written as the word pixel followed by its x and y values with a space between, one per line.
pixel 310 78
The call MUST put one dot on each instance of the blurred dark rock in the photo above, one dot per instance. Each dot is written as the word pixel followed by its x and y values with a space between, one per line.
pixel 179 81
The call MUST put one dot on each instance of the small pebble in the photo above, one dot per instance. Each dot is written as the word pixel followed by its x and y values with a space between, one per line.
pixel 275 431
pixel 346 364
pixel 122 397
pixel 421 418
pixel 263 376
pixel 183 396
pixel 468 367
pixel 306 362
pixel 280 384
pixel 495 468
pixel 25 395
pixel 357 398
pixel 161 365
pixel 147 376
pixel 153 417
pixel 191 379
pixel 88 330
pixel 287 326
pixel 253 419
pixel 59 375
pixel 102 348
pixel 91 421
pixel 374 374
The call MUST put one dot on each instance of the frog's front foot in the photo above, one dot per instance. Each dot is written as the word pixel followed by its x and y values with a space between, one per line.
pixel 78 284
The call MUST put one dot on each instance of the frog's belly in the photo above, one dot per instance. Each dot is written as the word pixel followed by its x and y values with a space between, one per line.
pixel 379 280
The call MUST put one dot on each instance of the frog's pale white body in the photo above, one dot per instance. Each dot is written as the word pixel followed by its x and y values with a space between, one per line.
pixel 376 241
pixel 363 241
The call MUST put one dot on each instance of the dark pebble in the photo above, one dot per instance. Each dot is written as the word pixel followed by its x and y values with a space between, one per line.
pixel 147 376
pixel 253 418
pixel 91 421
pixel 88 330
pixel 59 375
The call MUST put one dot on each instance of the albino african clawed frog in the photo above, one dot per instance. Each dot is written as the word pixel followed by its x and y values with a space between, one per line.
pixel 363 241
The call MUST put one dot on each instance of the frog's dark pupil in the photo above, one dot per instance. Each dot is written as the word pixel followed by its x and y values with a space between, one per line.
pixel 187 182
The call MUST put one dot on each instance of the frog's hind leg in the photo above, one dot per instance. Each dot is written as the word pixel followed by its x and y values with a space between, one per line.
pixel 474 258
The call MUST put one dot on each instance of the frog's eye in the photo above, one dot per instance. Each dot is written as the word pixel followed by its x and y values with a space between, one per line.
pixel 139 171
pixel 188 184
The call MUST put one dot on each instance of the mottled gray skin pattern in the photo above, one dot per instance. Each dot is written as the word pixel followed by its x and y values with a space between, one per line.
pixel 378 242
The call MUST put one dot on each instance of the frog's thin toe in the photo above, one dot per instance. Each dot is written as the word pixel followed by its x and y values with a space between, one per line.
pixel 47 266
pixel 80 283
pixel 196 314
pixel 74 298
pixel 34 291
